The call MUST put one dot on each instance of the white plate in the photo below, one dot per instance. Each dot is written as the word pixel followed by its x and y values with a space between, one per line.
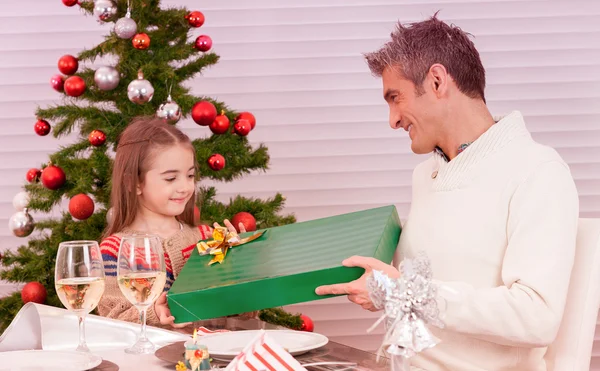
pixel 227 345
pixel 46 360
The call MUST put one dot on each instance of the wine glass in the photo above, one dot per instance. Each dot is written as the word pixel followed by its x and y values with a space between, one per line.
pixel 79 280
pixel 142 277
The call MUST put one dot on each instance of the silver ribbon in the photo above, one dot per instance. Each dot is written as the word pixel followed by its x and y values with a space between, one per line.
pixel 409 304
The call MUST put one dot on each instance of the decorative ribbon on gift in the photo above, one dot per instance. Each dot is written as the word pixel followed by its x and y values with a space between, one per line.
pixel 223 240
pixel 409 305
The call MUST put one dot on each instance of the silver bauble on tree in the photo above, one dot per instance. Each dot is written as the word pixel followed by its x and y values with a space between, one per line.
pixel 140 91
pixel 105 10
pixel 170 111
pixel 107 78
pixel 21 200
pixel 21 224
pixel 125 27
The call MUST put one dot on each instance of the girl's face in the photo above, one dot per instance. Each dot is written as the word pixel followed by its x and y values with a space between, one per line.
pixel 169 182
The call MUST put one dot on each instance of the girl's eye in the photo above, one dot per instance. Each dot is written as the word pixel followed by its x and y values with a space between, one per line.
pixel 192 176
pixel 170 179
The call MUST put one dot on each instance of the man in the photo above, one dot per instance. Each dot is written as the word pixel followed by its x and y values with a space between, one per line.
pixel 495 211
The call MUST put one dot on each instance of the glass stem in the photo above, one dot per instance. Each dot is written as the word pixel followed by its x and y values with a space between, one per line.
pixel 82 344
pixel 143 322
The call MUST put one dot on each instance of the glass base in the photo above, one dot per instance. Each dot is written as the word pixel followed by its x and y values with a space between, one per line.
pixel 82 348
pixel 142 346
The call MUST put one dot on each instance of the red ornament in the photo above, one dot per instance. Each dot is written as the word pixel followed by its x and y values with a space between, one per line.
pixel 41 127
pixel 58 83
pixel 195 18
pixel 141 41
pixel 216 162
pixel 68 64
pixel 74 86
pixel 33 292
pixel 33 175
pixel 97 138
pixel 81 206
pixel 203 43
pixel 220 125
pixel 204 113
pixel 53 177
pixel 196 215
pixel 70 2
pixel 242 127
pixel 246 219
pixel 307 323
pixel 247 116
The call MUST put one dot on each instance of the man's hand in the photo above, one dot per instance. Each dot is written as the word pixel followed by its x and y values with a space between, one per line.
pixel 357 290
pixel 161 308
pixel 230 226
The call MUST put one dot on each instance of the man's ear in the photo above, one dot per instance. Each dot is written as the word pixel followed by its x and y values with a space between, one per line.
pixel 439 79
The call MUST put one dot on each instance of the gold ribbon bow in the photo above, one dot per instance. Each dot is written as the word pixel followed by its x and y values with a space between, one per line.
pixel 223 240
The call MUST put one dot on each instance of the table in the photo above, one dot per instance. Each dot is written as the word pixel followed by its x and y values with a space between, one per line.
pixel 332 352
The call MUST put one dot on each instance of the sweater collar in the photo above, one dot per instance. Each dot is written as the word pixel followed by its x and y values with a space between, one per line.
pixel 449 175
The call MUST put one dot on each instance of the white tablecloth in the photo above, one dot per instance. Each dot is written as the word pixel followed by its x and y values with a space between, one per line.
pixel 49 328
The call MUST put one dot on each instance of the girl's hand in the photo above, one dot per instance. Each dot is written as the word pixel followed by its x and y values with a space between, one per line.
pixel 161 308
pixel 231 227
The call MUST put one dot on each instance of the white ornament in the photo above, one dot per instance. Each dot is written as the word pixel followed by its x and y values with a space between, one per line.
pixel 21 200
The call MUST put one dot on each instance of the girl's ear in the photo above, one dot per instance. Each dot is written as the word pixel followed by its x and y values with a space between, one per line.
pixel 138 190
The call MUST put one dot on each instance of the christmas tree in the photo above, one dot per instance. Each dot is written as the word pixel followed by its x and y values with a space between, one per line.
pixel 152 55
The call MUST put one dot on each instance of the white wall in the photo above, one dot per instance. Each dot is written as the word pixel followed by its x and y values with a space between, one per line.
pixel 297 65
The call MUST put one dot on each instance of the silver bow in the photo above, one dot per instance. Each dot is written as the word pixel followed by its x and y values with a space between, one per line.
pixel 409 305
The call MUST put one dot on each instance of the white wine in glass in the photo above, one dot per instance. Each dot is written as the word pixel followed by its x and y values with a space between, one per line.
pixel 79 280
pixel 141 276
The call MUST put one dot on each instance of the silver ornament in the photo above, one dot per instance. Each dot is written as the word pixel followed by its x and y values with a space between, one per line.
pixel 21 200
pixel 109 215
pixel 106 78
pixel 105 10
pixel 169 111
pixel 126 28
pixel 140 91
pixel 21 224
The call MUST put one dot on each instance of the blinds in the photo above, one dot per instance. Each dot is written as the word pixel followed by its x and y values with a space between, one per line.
pixel 297 65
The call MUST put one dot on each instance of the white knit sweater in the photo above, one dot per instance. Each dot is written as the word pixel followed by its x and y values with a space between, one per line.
pixel 499 224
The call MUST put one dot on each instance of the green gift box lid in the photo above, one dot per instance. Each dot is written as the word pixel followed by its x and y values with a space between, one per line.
pixel 284 266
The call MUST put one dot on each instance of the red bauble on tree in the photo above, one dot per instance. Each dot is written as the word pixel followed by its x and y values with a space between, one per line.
pixel 203 43
pixel 81 206
pixel 242 127
pixel 216 162
pixel 247 116
pixel 97 138
pixel 74 86
pixel 53 177
pixel 141 41
pixel 246 219
pixel 58 83
pixel 195 18
pixel 33 292
pixel 70 2
pixel 220 125
pixel 204 113
pixel 33 175
pixel 307 323
pixel 68 64
pixel 41 127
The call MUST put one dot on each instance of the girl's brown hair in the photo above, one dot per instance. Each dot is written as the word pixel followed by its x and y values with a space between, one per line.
pixel 136 146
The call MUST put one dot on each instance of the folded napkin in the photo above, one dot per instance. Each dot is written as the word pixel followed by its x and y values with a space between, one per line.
pixel 263 353
pixel 45 327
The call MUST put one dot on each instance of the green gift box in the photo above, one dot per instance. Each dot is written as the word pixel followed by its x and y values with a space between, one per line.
pixel 284 266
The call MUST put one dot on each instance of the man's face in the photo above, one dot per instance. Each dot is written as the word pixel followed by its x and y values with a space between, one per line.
pixel 412 111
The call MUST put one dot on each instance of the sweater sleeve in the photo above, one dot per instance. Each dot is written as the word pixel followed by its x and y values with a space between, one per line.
pixel 541 230
pixel 113 303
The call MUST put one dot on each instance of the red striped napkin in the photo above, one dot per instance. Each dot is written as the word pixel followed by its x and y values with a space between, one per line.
pixel 264 354
pixel 200 331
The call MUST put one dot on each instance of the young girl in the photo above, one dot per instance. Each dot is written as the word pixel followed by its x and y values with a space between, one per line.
pixel 153 191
